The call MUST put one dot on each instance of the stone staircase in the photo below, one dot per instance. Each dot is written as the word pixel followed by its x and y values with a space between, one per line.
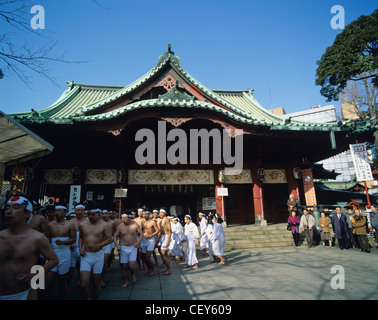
pixel 256 236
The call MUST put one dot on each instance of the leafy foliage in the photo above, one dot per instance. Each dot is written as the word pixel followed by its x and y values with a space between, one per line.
pixel 354 52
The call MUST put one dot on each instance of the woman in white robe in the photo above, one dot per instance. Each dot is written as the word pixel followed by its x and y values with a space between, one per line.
pixel 191 237
pixel 177 236
pixel 219 238
pixel 204 242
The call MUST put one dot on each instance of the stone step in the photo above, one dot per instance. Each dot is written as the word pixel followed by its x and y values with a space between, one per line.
pixel 247 241
pixel 255 236
pixel 242 236
pixel 256 230
pixel 259 245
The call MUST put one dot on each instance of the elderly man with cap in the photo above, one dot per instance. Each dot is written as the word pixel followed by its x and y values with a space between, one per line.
pixel 62 234
pixel 19 250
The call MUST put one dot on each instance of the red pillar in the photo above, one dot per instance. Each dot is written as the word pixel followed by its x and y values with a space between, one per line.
pixel 258 199
pixel 292 182
pixel 219 201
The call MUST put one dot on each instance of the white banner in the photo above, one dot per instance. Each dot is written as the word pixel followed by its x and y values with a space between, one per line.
pixel 75 192
pixel 361 162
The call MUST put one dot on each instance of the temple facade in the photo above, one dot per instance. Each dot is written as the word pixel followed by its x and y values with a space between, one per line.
pixel 172 142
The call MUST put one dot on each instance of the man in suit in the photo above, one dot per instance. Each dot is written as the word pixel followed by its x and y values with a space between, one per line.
pixel 340 228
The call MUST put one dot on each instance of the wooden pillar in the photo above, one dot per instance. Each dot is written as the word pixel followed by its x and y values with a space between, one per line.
pixel 258 199
pixel 309 187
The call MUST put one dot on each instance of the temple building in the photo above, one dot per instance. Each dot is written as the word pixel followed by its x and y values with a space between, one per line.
pixel 142 137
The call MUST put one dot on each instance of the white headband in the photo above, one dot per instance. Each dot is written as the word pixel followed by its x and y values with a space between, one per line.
pixel 162 210
pixel 22 201
pixel 94 210
pixel 188 216
pixel 61 207
pixel 80 206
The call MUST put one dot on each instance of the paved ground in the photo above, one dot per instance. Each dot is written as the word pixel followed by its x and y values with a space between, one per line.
pixel 286 273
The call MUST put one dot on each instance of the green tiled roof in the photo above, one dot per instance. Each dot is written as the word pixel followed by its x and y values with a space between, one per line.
pixel 80 102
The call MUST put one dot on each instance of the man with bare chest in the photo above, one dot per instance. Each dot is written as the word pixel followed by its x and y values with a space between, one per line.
pixel 166 233
pixel 131 236
pixel 150 230
pixel 94 234
pixel 20 247
pixel 62 234
pixel 37 221
pixel 139 220
pixel 108 248
pixel 75 252
pixel 156 218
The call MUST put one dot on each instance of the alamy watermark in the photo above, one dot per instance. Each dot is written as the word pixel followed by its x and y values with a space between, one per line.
pixel 338 20
pixel 338 280
pixel 177 153
pixel 38 280
pixel 38 20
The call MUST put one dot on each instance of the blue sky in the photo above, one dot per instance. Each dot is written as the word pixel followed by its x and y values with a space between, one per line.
pixel 270 46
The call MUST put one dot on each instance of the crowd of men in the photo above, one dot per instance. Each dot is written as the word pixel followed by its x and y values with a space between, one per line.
pixel 86 241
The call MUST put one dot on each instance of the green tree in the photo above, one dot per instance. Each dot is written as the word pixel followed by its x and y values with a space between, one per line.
pixel 352 57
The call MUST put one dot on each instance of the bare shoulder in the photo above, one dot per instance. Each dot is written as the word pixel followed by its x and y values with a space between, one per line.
pixel 34 235
pixel 3 233
pixel 103 223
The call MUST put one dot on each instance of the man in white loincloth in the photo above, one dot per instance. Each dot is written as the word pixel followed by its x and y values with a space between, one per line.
pixel 131 236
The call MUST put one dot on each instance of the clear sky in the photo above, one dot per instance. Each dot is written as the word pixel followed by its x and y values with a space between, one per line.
pixel 270 46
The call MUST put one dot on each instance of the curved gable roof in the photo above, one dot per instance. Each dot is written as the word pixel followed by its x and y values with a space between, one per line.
pixel 80 102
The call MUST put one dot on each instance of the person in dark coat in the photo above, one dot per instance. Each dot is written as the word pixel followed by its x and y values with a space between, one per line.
pixel 340 227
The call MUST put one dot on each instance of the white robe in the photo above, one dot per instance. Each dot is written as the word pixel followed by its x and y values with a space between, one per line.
pixel 177 235
pixel 204 242
pixel 219 239
pixel 190 236
pixel 210 238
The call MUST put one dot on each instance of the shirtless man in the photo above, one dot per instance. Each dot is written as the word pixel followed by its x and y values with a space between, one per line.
pixel 140 220
pixel 150 230
pixel 37 221
pixel 128 231
pixel 62 234
pixel 75 252
pixel 94 234
pixel 156 218
pixel 20 247
pixel 117 221
pixel 166 233
pixel 108 248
